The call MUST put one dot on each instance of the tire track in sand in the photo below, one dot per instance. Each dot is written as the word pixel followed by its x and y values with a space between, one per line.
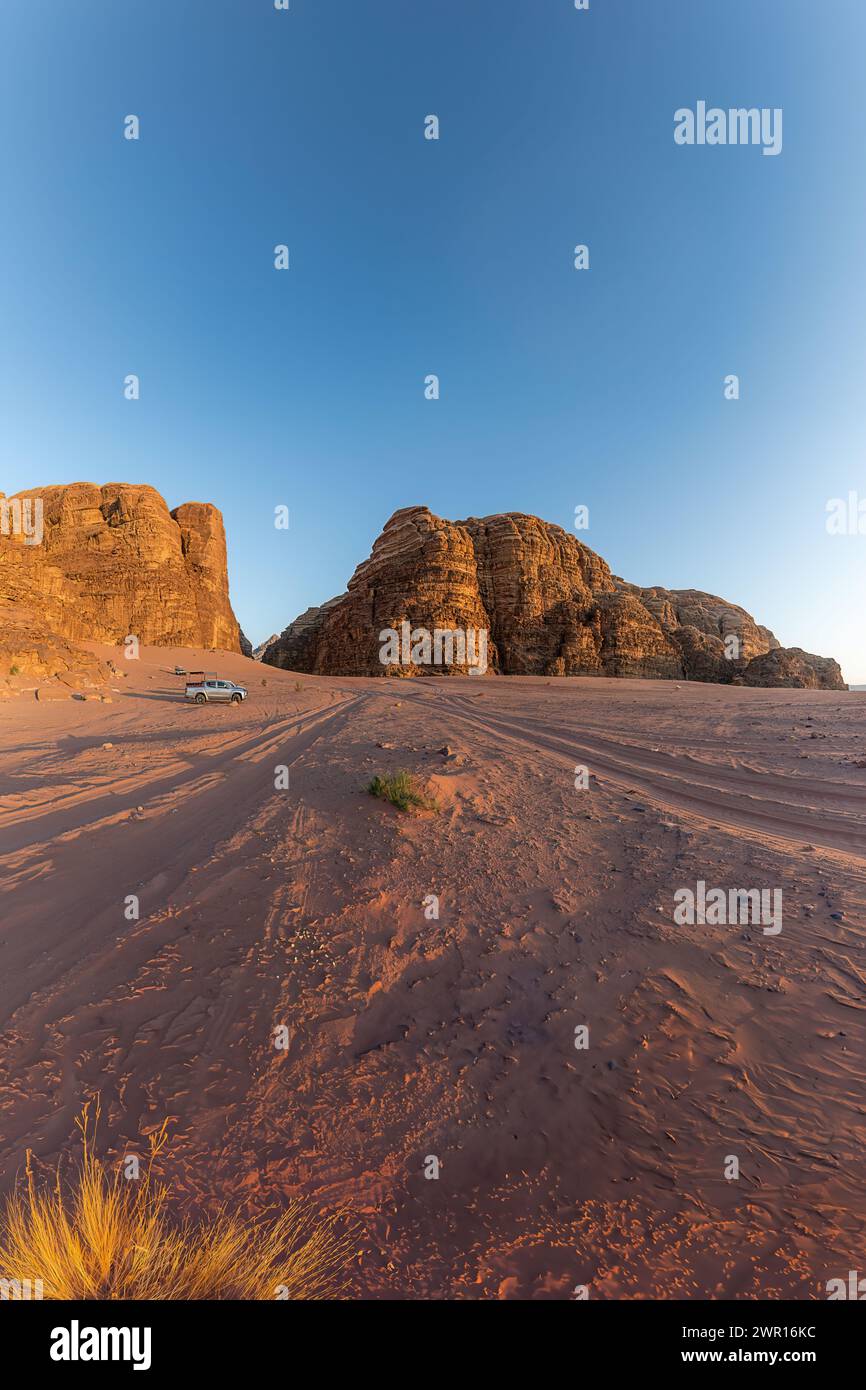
pixel 709 792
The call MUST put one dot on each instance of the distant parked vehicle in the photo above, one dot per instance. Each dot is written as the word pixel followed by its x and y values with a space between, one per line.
pixel 179 671
pixel 204 688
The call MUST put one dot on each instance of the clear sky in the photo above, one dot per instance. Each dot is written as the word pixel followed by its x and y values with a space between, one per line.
pixel 408 256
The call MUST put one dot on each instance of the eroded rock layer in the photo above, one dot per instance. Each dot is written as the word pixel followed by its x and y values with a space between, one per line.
pixel 113 561
pixel 549 605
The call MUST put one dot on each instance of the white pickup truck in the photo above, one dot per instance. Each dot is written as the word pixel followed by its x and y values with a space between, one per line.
pixel 203 688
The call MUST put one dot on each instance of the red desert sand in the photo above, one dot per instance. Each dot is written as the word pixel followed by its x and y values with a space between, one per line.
pixel 412 1037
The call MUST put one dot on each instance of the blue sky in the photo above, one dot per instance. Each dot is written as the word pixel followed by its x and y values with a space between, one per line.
pixel 410 257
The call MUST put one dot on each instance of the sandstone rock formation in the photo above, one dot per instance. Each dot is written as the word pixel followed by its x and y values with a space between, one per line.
pixel 549 604
pixel 114 561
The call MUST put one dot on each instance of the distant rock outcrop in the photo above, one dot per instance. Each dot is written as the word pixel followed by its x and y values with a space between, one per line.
pixel 113 561
pixel 258 652
pixel 549 605
pixel 796 669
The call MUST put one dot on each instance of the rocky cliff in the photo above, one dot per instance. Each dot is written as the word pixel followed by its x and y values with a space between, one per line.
pixel 114 561
pixel 548 603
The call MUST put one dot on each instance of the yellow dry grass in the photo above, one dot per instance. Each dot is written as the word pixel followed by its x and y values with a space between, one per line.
pixel 106 1237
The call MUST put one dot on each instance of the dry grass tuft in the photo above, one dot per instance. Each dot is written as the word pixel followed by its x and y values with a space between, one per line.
pixel 107 1237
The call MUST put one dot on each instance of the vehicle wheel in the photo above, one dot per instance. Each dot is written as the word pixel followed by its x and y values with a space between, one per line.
pixel 201 699
pixel 236 699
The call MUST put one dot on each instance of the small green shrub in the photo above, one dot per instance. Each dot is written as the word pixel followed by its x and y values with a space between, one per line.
pixel 402 791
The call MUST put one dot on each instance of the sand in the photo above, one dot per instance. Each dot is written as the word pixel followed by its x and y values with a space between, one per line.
pixel 413 1037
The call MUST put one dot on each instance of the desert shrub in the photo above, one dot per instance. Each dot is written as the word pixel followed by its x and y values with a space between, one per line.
pixel 401 789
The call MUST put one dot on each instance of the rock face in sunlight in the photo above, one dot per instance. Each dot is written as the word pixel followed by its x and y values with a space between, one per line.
pixel 113 561
pixel 549 604
pixel 29 648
